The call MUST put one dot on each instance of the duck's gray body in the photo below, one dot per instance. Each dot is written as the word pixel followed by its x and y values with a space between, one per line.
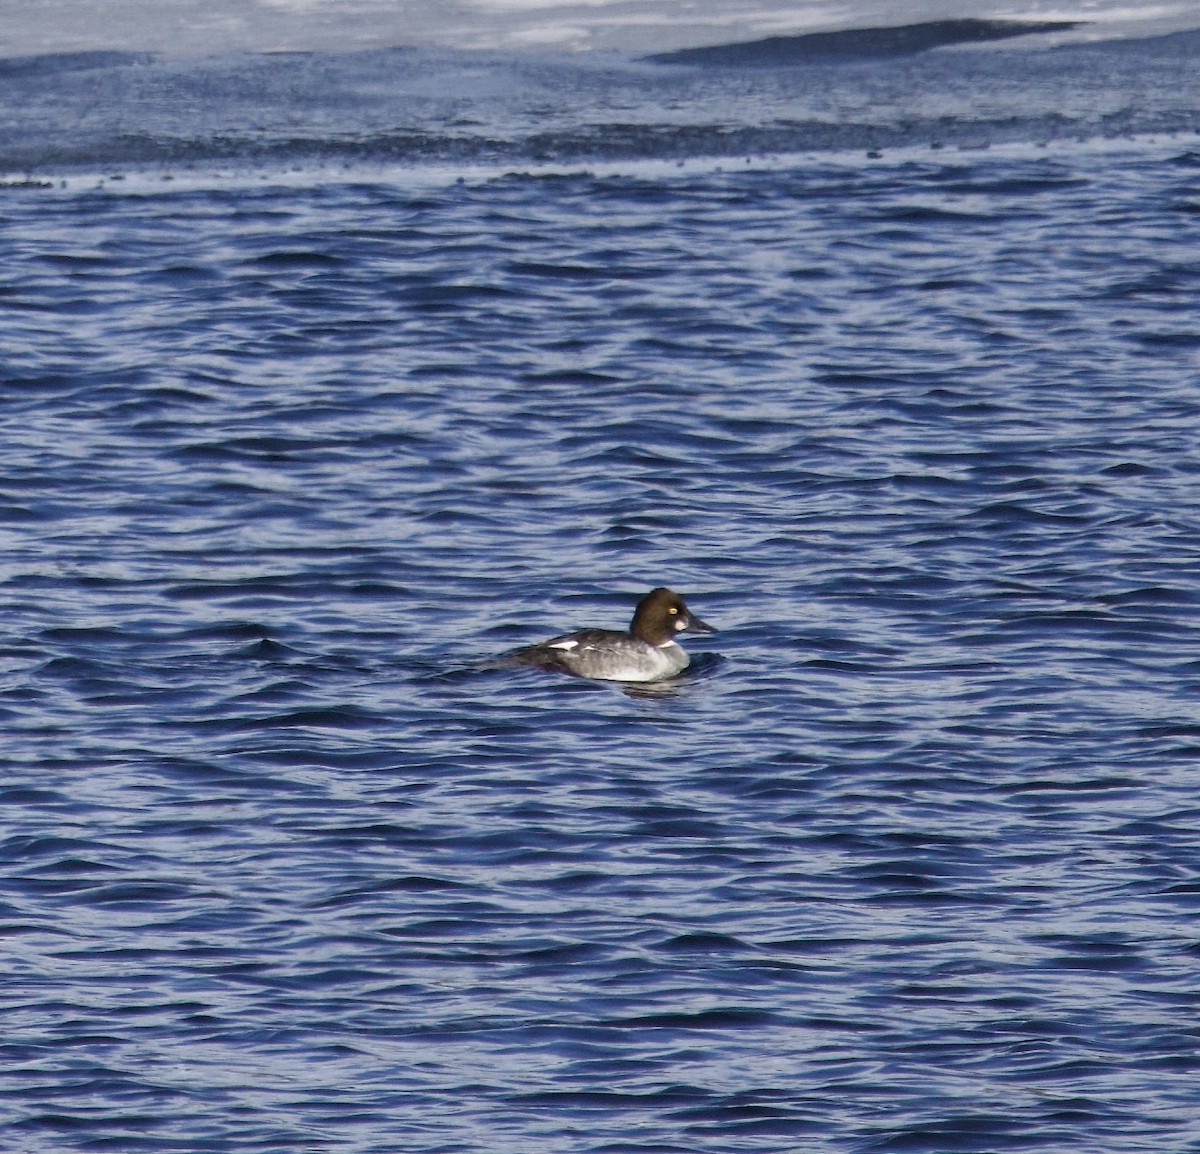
pixel 608 655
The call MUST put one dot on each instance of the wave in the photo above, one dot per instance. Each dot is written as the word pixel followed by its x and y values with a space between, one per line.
pixel 861 43
pixel 91 112
pixel 51 63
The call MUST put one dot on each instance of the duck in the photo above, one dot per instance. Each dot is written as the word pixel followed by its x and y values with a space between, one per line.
pixel 647 652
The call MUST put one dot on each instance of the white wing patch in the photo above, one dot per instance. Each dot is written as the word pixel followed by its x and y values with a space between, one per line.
pixel 563 644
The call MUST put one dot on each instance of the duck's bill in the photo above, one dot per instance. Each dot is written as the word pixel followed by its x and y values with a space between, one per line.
pixel 695 625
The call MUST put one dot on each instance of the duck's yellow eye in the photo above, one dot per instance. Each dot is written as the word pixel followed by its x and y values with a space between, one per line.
pixel 672 610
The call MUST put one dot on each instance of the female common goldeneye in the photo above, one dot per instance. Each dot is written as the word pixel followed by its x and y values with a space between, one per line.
pixel 648 652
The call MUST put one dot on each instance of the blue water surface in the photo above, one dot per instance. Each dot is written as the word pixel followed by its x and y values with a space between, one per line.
pixel 909 863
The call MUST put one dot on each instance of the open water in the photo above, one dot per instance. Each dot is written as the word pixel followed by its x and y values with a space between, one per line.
pixel 295 437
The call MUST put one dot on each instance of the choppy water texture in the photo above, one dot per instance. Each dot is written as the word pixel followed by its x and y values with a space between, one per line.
pixel 911 864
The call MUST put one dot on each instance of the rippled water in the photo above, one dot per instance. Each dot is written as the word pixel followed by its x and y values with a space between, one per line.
pixel 910 864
